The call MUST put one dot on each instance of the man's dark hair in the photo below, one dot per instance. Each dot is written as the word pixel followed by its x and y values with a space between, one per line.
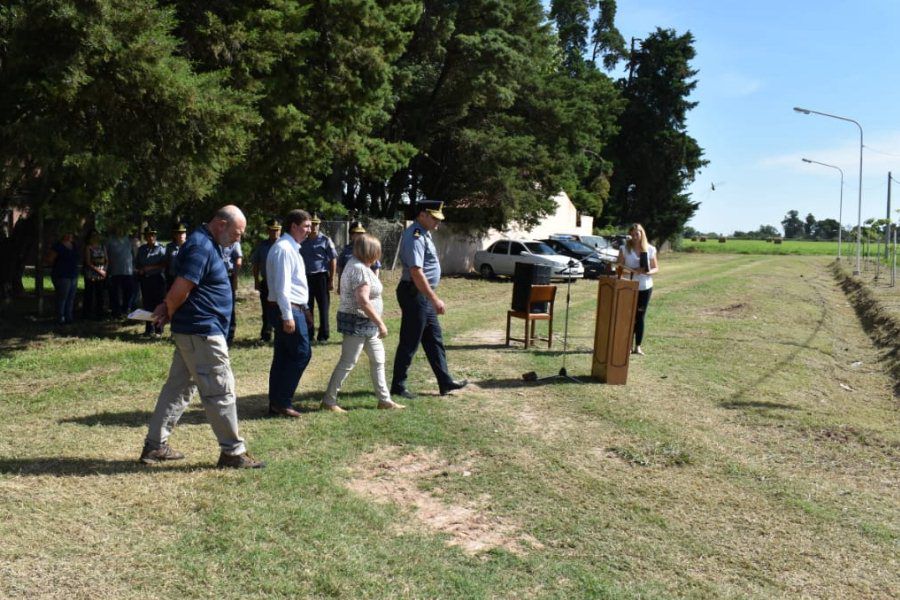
pixel 298 216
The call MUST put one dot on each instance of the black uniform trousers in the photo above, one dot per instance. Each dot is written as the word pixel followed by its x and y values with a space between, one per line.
pixel 419 324
pixel 232 323
pixel 153 292
pixel 319 295
pixel 265 333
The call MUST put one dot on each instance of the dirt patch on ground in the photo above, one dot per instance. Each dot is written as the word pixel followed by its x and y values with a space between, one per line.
pixel 392 476
pixel 845 434
pixel 878 322
pixel 482 336
pixel 728 312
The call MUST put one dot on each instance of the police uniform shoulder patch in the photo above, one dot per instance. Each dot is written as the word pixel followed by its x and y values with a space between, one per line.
pixel 417 233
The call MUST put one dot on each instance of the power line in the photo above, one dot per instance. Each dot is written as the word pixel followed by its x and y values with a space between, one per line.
pixel 871 149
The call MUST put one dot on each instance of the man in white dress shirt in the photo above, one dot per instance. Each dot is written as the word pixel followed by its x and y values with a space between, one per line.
pixel 288 313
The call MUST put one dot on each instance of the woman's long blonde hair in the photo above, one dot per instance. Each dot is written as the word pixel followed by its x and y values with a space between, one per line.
pixel 645 244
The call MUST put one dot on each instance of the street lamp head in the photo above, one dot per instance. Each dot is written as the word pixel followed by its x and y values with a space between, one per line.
pixel 806 160
pixel 801 110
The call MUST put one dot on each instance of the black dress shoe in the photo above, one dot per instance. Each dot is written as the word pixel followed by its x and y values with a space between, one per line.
pixel 454 385
pixel 404 393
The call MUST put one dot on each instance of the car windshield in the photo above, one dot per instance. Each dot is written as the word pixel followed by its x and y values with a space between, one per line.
pixel 596 241
pixel 576 247
pixel 539 248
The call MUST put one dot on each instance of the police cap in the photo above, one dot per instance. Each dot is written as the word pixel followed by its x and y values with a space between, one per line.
pixel 435 208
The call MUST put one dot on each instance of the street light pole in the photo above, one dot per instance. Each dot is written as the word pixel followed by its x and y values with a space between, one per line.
pixel 840 206
pixel 807 111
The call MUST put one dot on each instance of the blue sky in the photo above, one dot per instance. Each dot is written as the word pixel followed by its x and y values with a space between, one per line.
pixel 757 59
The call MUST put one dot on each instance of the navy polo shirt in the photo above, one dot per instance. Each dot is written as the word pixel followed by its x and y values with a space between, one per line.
pixel 207 310
pixel 317 253
pixel 259 255
pixel 347 253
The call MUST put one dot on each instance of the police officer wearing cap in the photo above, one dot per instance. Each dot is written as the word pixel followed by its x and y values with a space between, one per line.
pixel 419 304
pixel 150 265
pixel 320 259
pixel 179 235
pixel 356 230
pixel 233 256
pixel 258 263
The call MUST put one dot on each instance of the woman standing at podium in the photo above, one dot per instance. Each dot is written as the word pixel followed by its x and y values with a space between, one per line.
pixel 638 257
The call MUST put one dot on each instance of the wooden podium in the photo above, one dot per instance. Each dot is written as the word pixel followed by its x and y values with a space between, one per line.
pixel 616 308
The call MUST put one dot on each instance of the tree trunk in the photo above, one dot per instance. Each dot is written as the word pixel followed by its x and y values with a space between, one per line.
pixel 39 261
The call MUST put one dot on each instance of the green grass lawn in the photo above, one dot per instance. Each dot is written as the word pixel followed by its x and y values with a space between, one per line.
pixel 752 454
pixel 733 246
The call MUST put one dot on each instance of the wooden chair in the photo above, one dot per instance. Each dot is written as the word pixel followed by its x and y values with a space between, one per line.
pixel 540 294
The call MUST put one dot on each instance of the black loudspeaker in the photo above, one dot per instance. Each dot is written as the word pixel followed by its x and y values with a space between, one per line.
pixel 525 276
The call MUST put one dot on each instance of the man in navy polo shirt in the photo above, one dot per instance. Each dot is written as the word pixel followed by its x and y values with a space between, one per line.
pixel 199 305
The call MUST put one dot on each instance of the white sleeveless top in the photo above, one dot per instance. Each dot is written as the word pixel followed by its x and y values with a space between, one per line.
pixel 633 261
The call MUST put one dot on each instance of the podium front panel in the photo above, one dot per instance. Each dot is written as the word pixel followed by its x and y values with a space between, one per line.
pixel 616 308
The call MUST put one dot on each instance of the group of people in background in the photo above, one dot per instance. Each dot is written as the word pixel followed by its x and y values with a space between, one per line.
pixel 120 270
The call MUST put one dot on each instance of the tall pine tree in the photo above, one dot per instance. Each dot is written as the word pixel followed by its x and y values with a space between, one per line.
pixel 655 159
pixel 99 113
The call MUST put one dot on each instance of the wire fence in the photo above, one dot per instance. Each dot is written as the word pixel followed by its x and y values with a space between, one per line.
pixel 387 232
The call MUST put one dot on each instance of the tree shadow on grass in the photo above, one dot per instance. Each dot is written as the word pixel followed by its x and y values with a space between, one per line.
pixel 86 467
pixel 756 404
pixel 483 346
pixel 249 408
pixel 549 378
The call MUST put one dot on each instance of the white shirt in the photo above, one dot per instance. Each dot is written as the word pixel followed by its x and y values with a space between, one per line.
pixel 633 261
pixel 286 276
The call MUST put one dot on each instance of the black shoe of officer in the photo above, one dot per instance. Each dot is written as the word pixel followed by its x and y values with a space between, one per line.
pixel 402 393
pixel 454 385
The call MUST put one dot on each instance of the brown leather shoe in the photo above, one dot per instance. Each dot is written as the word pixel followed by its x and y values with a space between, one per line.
pixel 153 456
pixel 284 412
pixel 390 405
pixel 331 408
pixel 239 461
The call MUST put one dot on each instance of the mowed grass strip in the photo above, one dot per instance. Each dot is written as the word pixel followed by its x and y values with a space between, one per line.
pixel 739 246
pixel 753 453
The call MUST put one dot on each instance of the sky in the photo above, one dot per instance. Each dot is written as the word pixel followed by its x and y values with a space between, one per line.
pixel 757 59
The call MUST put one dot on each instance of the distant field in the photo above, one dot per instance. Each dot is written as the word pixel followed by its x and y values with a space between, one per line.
pixel 763 247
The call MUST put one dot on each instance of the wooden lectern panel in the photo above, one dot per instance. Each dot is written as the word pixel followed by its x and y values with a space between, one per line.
pixel 616 308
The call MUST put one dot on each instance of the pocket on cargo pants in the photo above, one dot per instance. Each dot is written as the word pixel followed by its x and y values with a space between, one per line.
pixel 215 381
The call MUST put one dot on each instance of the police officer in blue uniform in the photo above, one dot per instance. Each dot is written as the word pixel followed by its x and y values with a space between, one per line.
pixel 233 255
pixel 179 236
pixel 320 260
pixel 356 230
pixel 258 262
pixel 149 266
pixel 419 304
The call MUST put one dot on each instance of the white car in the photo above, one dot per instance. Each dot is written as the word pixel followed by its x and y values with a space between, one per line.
pixel 501 257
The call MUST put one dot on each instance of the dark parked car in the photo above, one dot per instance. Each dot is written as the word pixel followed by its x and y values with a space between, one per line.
pixel 595 264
